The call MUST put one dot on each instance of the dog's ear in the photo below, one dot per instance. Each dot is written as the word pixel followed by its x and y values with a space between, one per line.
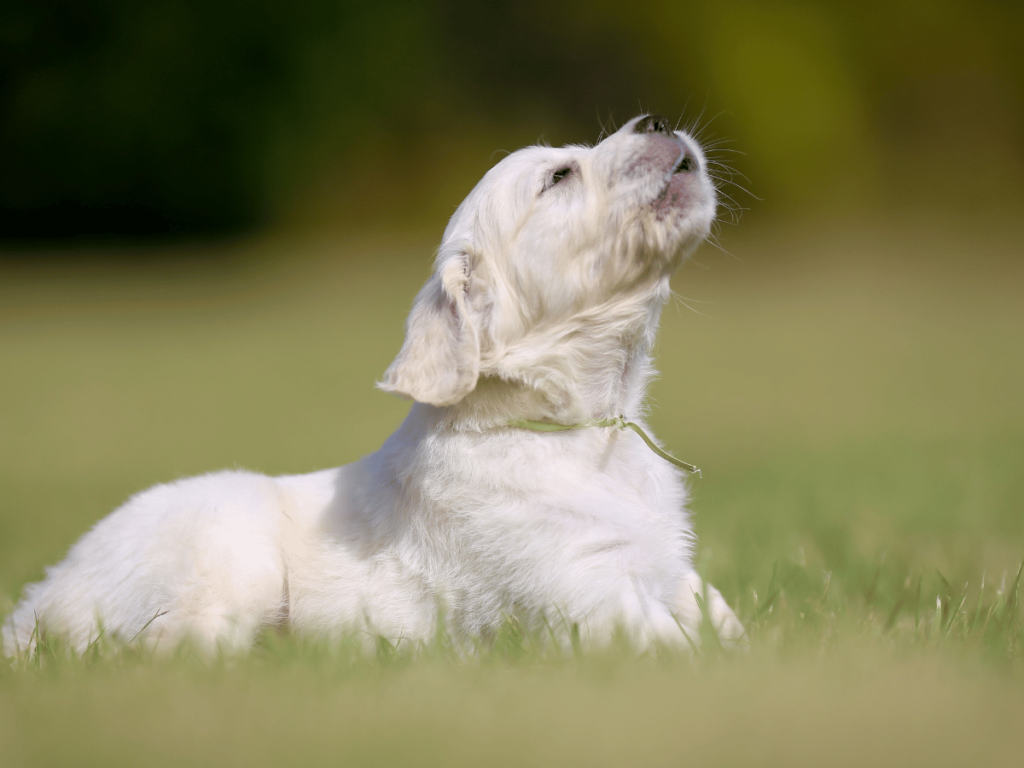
pixel 440 358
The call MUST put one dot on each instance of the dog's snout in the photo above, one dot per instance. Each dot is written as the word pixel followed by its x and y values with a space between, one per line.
pixel 653 124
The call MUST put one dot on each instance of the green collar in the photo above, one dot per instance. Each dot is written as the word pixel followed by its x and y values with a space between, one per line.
pixel 619 422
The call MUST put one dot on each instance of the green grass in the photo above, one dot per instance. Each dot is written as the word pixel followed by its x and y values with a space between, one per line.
pixel 852 394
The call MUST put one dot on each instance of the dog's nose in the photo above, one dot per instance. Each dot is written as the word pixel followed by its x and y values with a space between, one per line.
pixel 652 124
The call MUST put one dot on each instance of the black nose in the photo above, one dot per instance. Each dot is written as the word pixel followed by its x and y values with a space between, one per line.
pixel 652 124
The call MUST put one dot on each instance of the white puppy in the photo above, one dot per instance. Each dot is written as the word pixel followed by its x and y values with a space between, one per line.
pixel 543 307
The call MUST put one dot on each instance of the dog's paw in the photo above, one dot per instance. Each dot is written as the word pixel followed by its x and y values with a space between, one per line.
pixel 704 603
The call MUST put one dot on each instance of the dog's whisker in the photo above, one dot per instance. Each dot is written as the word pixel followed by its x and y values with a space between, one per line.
pixel 679 300
pixel 729 170
pixel 715 243
pixel 703 128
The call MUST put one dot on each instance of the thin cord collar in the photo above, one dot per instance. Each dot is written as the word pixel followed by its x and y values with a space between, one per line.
pixel 619 422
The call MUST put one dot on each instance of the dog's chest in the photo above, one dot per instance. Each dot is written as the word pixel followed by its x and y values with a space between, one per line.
pixel 558 508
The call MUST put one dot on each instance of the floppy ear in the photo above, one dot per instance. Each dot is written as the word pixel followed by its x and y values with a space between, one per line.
pixel 440 359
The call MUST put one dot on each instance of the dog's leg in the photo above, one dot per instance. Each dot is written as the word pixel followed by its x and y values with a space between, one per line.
pixel 212 631
pixel 646 621
pixel 195 561
pixel 694 591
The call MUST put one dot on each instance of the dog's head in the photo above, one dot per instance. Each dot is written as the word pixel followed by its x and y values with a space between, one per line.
pixel 557 253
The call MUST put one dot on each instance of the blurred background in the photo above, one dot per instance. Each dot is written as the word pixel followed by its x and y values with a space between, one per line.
pixel 188 118
pixel 214 215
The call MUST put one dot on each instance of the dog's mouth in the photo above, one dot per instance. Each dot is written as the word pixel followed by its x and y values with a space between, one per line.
pixel 686 164
pixel 680 187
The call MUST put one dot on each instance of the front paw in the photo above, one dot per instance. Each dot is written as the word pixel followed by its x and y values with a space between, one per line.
pixel 705 605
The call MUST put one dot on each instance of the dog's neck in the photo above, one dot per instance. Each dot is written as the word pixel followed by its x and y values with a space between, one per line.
pixel 596 366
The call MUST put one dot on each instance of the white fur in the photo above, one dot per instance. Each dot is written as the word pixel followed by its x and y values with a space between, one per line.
pixel 544 305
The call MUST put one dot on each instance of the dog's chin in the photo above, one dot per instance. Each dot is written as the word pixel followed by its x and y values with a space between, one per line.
pixel 679 196
pixel 682 217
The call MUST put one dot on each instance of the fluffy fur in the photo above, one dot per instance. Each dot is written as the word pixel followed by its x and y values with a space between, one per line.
pixel 544 305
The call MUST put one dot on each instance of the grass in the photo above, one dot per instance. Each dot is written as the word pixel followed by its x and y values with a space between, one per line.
pixel 853 395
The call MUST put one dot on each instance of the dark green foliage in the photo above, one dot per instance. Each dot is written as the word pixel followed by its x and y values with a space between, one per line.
pixel 187 116
pixel 175 115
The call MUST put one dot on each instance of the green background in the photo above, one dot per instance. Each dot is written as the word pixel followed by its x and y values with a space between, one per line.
pixel 177 117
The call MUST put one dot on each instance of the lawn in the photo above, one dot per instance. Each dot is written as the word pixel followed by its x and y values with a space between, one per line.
pixel 852 392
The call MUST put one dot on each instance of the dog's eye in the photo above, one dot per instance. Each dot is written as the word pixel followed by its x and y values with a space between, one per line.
pixel 562 173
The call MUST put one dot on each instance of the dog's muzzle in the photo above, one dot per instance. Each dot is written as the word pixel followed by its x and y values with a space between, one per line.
pixel 656 124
